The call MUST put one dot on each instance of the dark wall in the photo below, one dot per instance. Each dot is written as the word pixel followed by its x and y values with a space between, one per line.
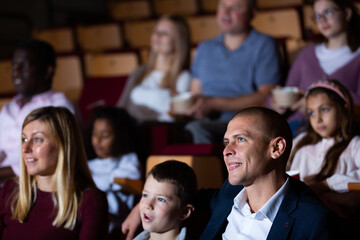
pixel 18 18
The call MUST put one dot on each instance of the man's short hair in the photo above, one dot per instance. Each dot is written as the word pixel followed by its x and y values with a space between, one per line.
pixel 271 123
pixel 180 175
pixel 43 51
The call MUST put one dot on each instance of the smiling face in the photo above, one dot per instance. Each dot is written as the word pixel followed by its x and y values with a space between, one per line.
pixel 28 76
pixel 233 16
pixel 322 115
pixel 39 149
pixel 160 207
pixel 102 138
pixel 247 152
pixel 163 37
pixel 332 22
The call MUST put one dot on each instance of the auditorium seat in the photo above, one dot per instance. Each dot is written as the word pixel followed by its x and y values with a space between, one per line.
pixel 62 39
pixel 129 9
pixel 209 6
pixel 69 76
pixel 106 76
pixel 202 27
pixel 138 33
pixel 208 169
pixel 278 3
pixel 110 64
pixel 279 23
pixel 99 37
pixel 6 86
pixel 179 7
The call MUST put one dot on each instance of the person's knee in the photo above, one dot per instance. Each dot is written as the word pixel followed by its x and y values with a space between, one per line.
pixel 199 132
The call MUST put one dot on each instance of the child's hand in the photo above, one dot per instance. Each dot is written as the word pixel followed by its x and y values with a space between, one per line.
pixel 300 105
pixel 131 224
pixel 275 107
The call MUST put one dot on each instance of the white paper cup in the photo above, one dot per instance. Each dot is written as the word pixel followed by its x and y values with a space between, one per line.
pixel 181 103
pixel 286 96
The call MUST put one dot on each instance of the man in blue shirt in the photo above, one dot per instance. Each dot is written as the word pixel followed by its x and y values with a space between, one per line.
pixel 234 70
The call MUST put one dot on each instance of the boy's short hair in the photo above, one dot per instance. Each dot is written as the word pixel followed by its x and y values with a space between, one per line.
pixel 180 175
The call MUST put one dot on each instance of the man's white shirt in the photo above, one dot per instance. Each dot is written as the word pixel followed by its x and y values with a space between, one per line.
pixel 243 224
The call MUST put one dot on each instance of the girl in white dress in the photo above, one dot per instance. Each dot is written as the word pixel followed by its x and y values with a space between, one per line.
pixel 327 155
pixel 112 139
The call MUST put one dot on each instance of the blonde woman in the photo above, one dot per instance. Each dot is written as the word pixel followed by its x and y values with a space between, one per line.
pixel 55 196
pixel 149 89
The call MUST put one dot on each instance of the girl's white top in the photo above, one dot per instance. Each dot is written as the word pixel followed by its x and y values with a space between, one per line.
pixel 105 170
pixel 310 159
pixel 151 96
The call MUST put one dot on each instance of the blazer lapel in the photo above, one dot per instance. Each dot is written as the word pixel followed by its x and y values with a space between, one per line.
pixel 283 221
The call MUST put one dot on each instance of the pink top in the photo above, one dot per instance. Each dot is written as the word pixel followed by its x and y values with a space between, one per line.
pixel 91 224
pixel 11 120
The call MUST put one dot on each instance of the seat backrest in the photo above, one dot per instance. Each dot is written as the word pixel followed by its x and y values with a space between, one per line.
pixel 69 76
pixel 278 3
pixel 62 39
pixel 208 169
pixel 180 7
pixel 203 28
pixel 209 6
pixel 284 23
pixel 101 91
pixel 309 24
pixel 138 33
pixel 99 37
pixel 110 64
pixel 6 85
pixel 129 9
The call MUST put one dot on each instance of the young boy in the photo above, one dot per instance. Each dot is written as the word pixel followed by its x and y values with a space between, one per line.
pixel 167 200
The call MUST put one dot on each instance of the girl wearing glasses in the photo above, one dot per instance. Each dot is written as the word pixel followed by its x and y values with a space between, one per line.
pixel 336 58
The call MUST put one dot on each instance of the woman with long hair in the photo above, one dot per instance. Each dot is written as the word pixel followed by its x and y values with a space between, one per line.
pixel 150 87
pixel 337 57
pixel 54 196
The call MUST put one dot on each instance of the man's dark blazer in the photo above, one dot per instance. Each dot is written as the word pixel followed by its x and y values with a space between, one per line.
pixel 301 215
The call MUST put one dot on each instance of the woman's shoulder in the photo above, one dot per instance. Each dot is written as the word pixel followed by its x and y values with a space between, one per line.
pixel 128 157
pixel 91 192
pixel 93 198
pixel 307 51
pixel 355 143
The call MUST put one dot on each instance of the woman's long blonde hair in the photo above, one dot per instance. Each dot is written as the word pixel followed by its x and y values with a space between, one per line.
pixel 181 59
pixel 72 173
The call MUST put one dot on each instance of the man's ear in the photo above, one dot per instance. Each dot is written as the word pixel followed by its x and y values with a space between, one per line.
pixel 186 212
pixel 278 146
pixel 50 70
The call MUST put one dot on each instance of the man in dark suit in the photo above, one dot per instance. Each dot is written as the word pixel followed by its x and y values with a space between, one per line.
pixel 259 200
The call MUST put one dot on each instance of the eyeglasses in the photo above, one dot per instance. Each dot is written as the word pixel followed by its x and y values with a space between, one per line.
pixel 326 14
